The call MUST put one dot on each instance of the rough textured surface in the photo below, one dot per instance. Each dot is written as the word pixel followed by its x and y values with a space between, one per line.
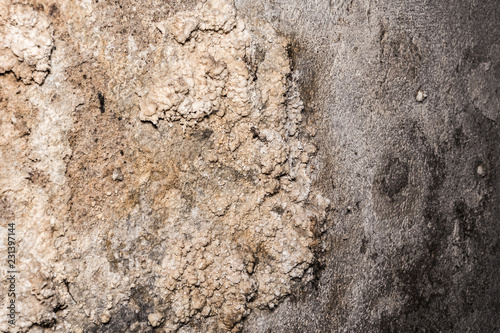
pixel 413 241
pixel 170 165
pixel 170 172
pixel 25 42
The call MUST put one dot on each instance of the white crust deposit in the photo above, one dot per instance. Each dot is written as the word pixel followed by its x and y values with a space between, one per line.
pixel 191 224
pixel 25 42
pixel 261 231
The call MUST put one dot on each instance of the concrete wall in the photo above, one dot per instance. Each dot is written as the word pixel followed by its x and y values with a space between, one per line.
pixel 412 242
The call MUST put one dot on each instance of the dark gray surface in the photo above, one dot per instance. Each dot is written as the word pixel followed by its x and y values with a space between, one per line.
pixel 412 243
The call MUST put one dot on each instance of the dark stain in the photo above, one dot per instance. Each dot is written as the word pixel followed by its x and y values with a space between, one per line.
pixel 204 134
pixel 255 132
pixel 102 105
pixel 278 209
pixel 38 177
pixel 299 55
pixel 443 288
pixel 123 321
pixel 47 322
pixel 362 249
pixel 254 59
pixel 293 48
pixel 474 56
pixel 6 209
pixel 459 137
pixel 393 178
pixel 399 53
pixel 466 217
pixel 382 35
pixel 53 10
pixel 303 291
pixel 22 126
pixel 415 272
pixel 423 288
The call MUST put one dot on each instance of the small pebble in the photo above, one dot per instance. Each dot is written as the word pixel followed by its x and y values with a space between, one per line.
pixel 480 170
pixel 421 95
pixel 117 174
pixel 105 317
pixel 155 319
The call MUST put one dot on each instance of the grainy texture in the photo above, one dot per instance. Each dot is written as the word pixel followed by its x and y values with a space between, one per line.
pixel 263 166
pixel 413 241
